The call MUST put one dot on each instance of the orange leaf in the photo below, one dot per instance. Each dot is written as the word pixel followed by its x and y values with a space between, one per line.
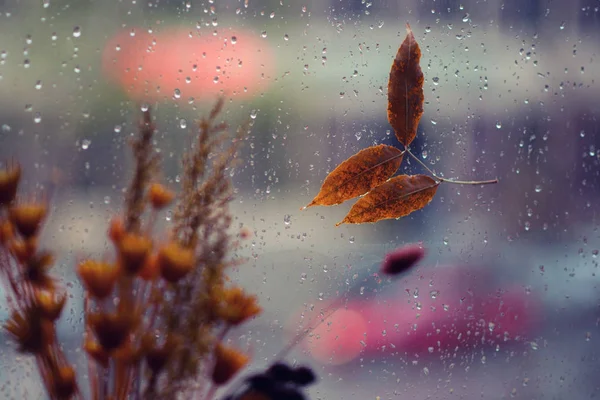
pixel 396 198
pixel 405 90
pixel 357 175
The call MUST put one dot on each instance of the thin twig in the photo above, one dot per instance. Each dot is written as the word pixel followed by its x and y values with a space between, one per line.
pixel 454 181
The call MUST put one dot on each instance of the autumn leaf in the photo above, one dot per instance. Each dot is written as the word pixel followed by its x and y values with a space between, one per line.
pixel 357 175
pixel 405 90
pixel 396 198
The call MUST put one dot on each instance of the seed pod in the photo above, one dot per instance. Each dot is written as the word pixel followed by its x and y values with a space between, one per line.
pixel 133 251
pixel 9 182
pixel 27 218
pixel 111 329
pixel 160 196
pixel 228 362
pixel 175 261
pixel 65 384
pixel 50 304
pixel 96 351
pixel 98 277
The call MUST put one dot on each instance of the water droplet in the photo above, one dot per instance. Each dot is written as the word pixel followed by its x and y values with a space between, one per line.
pixel 498 125
pixel 286 37
pixel 538 188
pixel 234 39
pixel 38 85
pixel 117 128
pixel 351 239
pixel 253 114
pixel 144 107
pixel 424 154
pixel 446 240
pixel 37 118
pixel 534 345
pixel 263 34
pixel 46 3
pixel 85 144
pixel 182 123
pixel 76 31
pixel 562 25
pixel 287 219
pixel 106 199
pixel 177 93
pixel 435 80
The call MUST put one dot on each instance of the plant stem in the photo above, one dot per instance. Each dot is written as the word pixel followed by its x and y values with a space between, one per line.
pixel 455 181
pixel 422 163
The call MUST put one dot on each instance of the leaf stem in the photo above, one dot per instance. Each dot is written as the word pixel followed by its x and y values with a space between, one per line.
pixel 455 181
pixel 422 164
pixel 458 182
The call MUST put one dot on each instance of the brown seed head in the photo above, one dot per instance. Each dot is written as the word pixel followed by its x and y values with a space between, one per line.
pixel 19 250
pixel 127 353
pixel 116 230
pixel 65 384
pixel 149 271
pixel 111 330
pixel 9 182
pixel 96 351
pixel 7 232
pixel 98 277
pixel 160 196
pixel 158 356
pixel 228 362
pixel 133 251
pixel 175 261
pixel 28 218
pixel 37 267
pixel 31 330
pixel 50 304
pixel 236 306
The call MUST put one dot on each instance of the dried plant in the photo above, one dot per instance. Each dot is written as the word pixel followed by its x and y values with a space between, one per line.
pixel 369 173
pixel 157 312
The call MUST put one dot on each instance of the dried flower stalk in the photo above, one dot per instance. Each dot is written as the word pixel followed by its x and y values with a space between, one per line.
pixel 156 312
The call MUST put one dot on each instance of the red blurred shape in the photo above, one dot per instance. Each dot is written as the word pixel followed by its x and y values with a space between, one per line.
pixel 197 64
pixel 433 311
pixel 402 259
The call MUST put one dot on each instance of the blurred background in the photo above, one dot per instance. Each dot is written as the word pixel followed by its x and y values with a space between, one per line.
pixel 511 91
